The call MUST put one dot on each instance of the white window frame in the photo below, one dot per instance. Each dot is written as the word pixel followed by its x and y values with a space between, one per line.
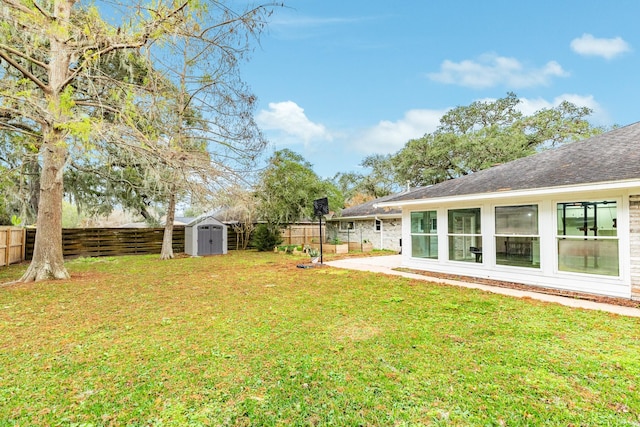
pixel 559 237
pixel 466 249
pixel 432 233
pixel 534 236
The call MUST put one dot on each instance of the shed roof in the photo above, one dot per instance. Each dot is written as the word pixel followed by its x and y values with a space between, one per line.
pixel 202 218
pixel 609 157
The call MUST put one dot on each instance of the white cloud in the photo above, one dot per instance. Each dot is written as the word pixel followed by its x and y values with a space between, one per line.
pixel 492 70
pixel 588 45
pixel 388 137
pixel 290 124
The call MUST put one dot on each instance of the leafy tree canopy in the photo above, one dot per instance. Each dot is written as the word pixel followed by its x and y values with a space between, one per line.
pixel 359 188
pixel 288 186
pixel 475 137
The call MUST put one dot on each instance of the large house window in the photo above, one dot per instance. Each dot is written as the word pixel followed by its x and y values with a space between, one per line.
pixel 424 234
pixel 517 239
pixel 465 238
pixel 588 237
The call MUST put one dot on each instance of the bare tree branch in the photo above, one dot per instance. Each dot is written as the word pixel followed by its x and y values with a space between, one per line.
pixel 45 88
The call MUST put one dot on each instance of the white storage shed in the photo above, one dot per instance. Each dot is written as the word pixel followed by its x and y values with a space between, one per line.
pixel 205 235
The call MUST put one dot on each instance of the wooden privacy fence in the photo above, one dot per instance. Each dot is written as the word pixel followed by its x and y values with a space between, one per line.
pixel 12 245
pixel 291 235
pixel 302 234
pixel 233 240
pixel 94 242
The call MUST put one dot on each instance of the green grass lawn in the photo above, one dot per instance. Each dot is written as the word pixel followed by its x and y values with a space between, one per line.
pixel 248 339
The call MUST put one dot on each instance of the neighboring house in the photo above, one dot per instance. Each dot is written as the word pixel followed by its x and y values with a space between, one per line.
pixel 380 226
pixel 567 218
pixel 181 220
pixel 140 224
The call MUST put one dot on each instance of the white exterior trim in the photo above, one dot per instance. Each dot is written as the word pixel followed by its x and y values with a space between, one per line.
pixel 548 274
pixel 365 217
pixel 537 192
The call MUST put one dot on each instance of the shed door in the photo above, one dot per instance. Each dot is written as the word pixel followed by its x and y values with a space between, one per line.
pixel 209 239
pixel 216 236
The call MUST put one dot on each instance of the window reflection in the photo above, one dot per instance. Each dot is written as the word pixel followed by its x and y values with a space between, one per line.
pixel 588 237
pixel 424 234
pixel 517 240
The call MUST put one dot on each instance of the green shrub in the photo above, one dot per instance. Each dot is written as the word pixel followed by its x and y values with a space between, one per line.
pixel 266 237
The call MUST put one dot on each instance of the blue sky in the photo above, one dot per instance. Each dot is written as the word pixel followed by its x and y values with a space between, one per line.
pixel 338 80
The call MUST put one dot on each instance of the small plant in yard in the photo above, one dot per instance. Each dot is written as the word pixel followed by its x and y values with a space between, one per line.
pixel 313 253
pixel 266 237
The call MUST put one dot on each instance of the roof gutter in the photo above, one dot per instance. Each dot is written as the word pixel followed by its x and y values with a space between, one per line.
pixel 371 217
pixel 548 191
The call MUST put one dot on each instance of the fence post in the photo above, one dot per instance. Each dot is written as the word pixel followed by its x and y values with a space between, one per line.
pixel 7 252
pixel 4 242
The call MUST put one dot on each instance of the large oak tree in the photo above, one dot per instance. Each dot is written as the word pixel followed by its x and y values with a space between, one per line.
pixel 474 137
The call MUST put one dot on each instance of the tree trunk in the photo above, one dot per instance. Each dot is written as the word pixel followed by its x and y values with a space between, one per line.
pixel 167 238
pixel 48 261
pixel 33 179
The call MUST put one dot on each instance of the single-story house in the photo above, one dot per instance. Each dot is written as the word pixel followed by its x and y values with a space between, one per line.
pixel 566 218
pixel 367 222
pixel 181 220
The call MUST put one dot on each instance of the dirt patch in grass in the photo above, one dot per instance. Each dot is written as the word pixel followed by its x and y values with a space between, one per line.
pixel 357 332
pixel 520 286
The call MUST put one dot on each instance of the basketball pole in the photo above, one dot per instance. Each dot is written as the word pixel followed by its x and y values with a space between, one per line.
pixel 320 222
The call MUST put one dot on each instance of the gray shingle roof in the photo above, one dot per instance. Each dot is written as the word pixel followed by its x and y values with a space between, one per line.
pixel 611 156
pixel 368 209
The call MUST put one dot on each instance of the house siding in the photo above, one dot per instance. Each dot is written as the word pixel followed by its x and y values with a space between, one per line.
pixel 388 238
pixel 634 243
pixel 548 274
